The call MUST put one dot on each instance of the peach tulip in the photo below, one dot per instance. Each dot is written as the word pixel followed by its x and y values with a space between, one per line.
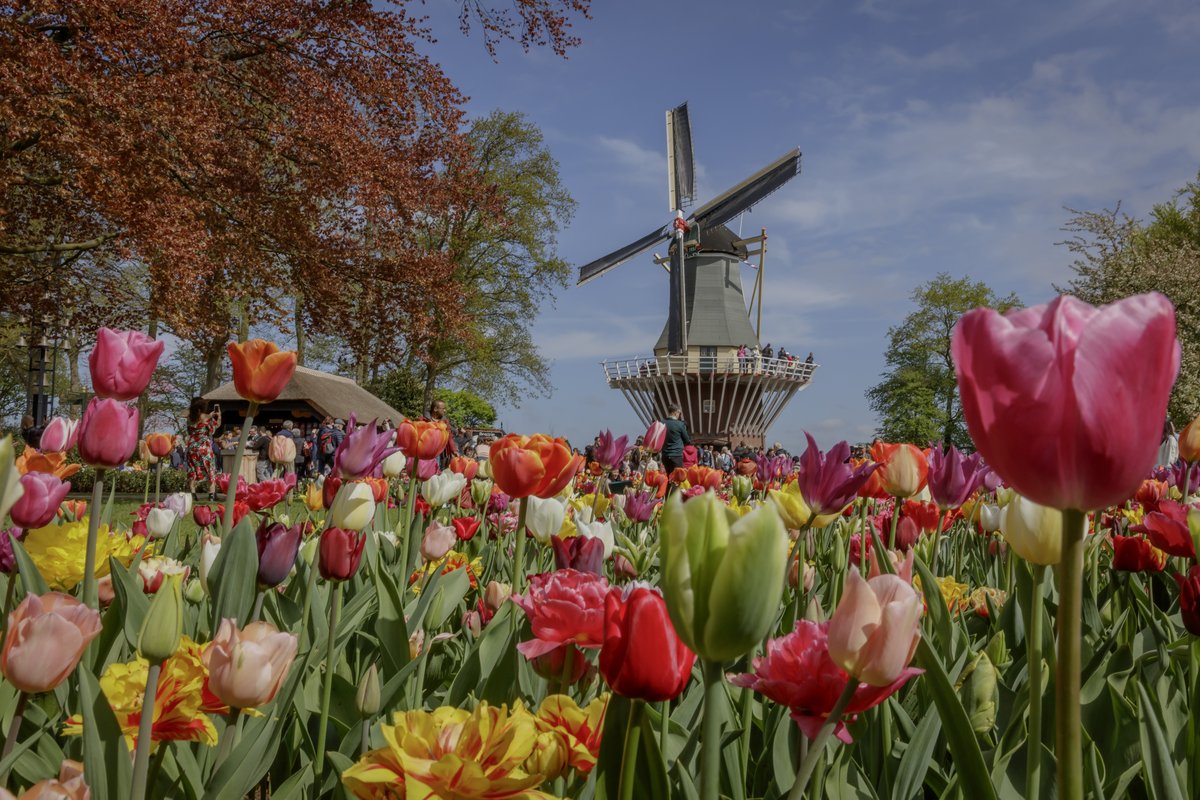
pixel 260 369
pixel 282 449
pixel 46 637
pixel 160 444
pixel 875 628
pixel 69 785
pixel 246 667
pixel 437 541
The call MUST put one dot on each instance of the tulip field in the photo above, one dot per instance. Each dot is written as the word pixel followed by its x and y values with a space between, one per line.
pixel 1016 622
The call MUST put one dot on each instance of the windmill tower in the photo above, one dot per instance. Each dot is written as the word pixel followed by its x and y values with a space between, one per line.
pixel 725 400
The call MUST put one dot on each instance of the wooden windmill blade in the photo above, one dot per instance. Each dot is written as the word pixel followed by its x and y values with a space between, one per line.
pixel 603 264
pixel 731 202
pixel 681 166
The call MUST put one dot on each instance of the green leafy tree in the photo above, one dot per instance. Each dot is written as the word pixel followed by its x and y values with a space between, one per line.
pixel 404 392
pixel 1117 255
pixel 917 399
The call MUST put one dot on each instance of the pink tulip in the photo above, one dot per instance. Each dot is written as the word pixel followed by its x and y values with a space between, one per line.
pixel 108 433
pixel 437 541
pixel 247 667
pixel 38 505
pixel 122 362
pixel 426 468
pixel 59 436
pixel 46 637
pixel 1066 401
pixel 656 437
pixel 874 630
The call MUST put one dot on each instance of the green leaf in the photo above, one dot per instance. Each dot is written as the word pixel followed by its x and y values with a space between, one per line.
pixel 973 775
pixel 390 626
pixel 33 580
pixel 917 757
pixel 106 759
pixel 129 598
pixel 234 576
pixel 935 604
pixel 1156 753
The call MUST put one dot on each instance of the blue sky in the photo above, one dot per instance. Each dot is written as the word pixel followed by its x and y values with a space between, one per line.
pixel 937 137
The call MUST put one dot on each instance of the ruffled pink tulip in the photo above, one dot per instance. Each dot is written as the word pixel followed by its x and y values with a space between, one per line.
pixel 38 505
pixel 59 436
pixel 247 667
pixel 108 433
pixel 656 437
pixel 122 362
pixel 46 637
pixel 563 606
pixel 875 629
pixel 1066 401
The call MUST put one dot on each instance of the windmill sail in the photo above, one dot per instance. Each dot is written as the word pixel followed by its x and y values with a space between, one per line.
pixel 603 264
pixel 732 202
pixel 681 167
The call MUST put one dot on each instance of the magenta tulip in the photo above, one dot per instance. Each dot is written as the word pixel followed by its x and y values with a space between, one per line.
pixel 108 433
pixel 1066 401
pixel 953 477
pixel 656 437
pixel 38 505
pixel 362 450
pixel 610 452
pixel 59 436
pixel 828 482
pixel 122 362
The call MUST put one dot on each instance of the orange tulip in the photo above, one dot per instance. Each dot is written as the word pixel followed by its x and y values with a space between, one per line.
pixel 56 464
pixel 467 467
pixel 246 667
pixel 707 477
pixel 905 468
pixel 1189 442
pixel 159 444
pixel 46 637
pixel 532 465
pixel 260 369
pixel 874 485
pixel 422 438
pixel 653 479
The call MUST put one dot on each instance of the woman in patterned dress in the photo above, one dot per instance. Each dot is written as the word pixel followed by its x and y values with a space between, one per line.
pixel 203 420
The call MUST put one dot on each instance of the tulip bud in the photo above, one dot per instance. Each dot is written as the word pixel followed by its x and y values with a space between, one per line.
pixel 107 433
pixel 367 699
pixel 548 757
pixel 163 625
pixel 353 507
pixel 990 517
pixel 481 492
pixel 437 541
pixel 485 470
pixel 997 649
pixel 159 522
pixel 1033 531
pixel 979 693
pixel 277 548
pixel 472 621
pixel 10 480
pixel 210 547
pixel 340 553
pixel 496 594
pixel 194 592
pixel 743 487
pixel 656 436
pixel 722 583
pixel 393 466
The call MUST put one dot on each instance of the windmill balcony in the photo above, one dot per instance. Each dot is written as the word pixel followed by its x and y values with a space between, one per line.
pixel 624 371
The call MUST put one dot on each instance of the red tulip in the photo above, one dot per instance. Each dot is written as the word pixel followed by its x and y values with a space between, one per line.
pixel 1167 529
pixel 204 516
pixel 264 494
pixel 260 369
pixel 1135 554
pixel 329 490
pixel 40 501
pixel 240 510
pixel 467 467
pixel 563 606
pixel 642 656
pixel 1066 401
pixel 904 470
pixel 583 553
pixel 1189 599
pixel 653 479
pixel 465 527
pixel 340 553
pixel 108 433
pixel 122 363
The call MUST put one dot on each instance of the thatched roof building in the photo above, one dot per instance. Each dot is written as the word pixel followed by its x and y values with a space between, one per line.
pixel 310 396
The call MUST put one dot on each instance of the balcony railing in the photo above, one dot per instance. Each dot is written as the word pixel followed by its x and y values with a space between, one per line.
pixel 626 369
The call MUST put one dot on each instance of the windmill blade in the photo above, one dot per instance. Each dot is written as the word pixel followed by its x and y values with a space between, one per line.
pixel 732 202
pixel 603 264
pixel 681 167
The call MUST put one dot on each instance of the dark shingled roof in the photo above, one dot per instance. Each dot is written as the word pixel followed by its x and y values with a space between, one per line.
pixel 331 395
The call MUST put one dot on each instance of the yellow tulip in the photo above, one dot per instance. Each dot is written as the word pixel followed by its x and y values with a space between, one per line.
pixel 795 509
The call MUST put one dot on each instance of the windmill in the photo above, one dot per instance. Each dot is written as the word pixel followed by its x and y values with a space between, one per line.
pixel 707 317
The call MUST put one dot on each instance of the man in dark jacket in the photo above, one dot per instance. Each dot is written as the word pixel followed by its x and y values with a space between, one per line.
pixel 677 437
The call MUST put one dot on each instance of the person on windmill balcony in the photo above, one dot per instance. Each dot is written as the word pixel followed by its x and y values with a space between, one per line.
pixel 767 354
pixel 756 359
pixel 741 355
pixel 677 437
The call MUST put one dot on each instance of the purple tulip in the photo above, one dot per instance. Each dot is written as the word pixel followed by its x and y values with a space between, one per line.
pixel 59 436
pixel 362 450
pixel 498 502
pixel 108 433
pixel 43 495
pixel 1174 474
pixel 640 506
pixel 954 477
pixel 277 548
pixel 582 553
pixel 826 480
pixel 122 363
pixel 8 561
pixel 426 468
pixel 610 452
pixel 772 468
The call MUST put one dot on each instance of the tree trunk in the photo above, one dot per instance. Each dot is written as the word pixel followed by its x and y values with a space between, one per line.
pixel 300 336
pixel 427 396
pixel 214 354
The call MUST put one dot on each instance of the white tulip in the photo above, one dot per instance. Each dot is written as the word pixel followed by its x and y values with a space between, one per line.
pixel 353 507
pixel 210 547
pixel 443 488
pixel 598 530
pixel 160 521
pixel 393 465
pixel 544 517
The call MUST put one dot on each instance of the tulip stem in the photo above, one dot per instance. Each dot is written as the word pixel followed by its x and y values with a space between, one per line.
pixel 258 604
pixel 335 610
pixel 410 502
pixel 231 488
pixel 710 742
pixel 1068 726
pixel 519 555
pixel 141 759
pixel 801 557
pixel 157 480
pixel 90 596
pixel 633 738
pixel 1033 656
pixel 309 589
pixel 13 729
pixel 817 749
pixel 895 523
pixel 937 540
